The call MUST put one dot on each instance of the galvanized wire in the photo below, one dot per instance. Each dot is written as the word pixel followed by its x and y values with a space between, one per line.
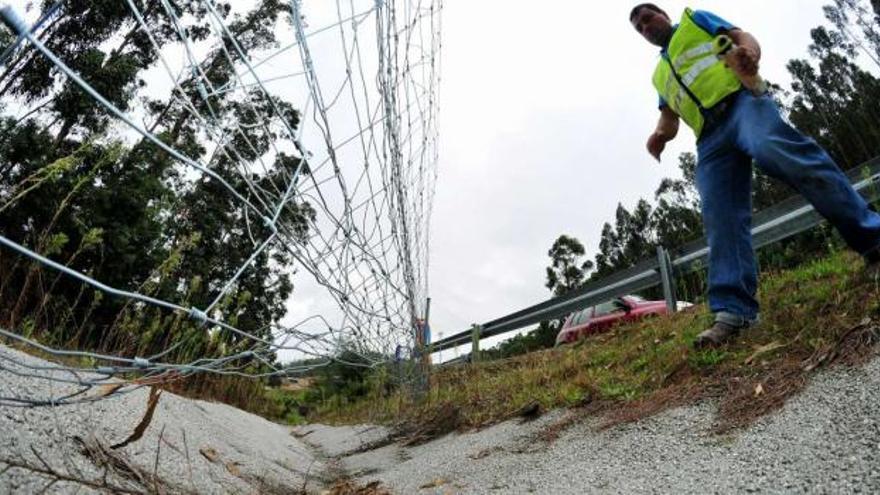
pixel 366 247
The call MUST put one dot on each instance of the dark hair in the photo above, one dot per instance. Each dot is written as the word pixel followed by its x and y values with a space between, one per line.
pixel 650 6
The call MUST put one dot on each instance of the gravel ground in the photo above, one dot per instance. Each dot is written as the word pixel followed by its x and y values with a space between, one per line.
pixel 204 448
pixel 826 440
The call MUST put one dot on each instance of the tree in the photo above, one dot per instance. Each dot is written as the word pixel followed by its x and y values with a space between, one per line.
pixel 130 215
pixel 566 271
pixel 676 218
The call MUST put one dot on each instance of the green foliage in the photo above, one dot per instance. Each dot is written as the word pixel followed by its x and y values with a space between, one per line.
pixel 566 271
pixel 707 358
pixel 287 406
pixel 55 244
pixel 348 376
pixel 128 214
pixel 542 337
pixel 617 391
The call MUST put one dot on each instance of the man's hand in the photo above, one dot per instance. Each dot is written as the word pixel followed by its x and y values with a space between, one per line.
pixel 667 129
pixel 657 143
pixel 745 57
pixel 743 60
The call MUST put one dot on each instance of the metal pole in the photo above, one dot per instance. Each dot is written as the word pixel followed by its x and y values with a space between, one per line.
pixel 424 359
pixel 667 280
pixel 429 347
pixel 428 310
pixel 476 330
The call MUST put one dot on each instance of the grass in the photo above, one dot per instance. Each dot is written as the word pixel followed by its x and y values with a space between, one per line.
pixel 812 317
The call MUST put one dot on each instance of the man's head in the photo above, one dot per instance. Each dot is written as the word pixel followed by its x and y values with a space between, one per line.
pixel 652 23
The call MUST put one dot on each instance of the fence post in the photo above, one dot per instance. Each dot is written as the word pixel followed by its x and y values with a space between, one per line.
pixel 423 352
pixel 667 279
pixel 476 330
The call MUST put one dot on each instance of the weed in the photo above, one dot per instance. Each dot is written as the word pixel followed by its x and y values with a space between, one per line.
pixel 706 358
pixel 618 391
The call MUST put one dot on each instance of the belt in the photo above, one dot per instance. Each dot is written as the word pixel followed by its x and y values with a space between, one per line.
pixel 715 115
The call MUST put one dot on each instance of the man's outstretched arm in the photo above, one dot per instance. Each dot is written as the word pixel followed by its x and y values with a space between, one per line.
pixel 667 129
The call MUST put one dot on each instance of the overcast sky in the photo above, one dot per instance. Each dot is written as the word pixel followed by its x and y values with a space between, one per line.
pixel 545 109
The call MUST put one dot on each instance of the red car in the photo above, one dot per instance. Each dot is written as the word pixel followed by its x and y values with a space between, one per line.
pixel 602 317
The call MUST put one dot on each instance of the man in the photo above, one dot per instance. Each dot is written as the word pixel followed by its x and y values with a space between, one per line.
pixel 734 124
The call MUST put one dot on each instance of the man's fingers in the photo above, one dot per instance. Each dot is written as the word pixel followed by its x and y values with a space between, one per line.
pixel 746 61
pixel 742 61
pixel 655 149
pixel 656 144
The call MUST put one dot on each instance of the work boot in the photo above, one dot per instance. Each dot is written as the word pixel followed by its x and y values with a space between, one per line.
pixel 719 333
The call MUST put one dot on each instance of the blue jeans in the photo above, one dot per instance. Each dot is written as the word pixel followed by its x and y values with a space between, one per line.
pixel 753 129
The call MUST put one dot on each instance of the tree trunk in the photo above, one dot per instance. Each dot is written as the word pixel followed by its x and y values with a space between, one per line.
pixel 63 133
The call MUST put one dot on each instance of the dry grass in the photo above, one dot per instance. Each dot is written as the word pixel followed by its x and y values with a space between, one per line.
pixel 821 314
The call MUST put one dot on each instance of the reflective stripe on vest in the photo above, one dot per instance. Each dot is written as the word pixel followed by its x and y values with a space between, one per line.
pixel 697 69
pixel 690 77
pixel 696 52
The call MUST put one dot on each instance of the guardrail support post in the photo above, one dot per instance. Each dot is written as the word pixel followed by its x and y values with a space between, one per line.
pixel 667 279
pixel 476 330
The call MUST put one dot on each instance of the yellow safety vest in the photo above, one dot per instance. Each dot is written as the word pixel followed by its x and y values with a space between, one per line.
pixel 690 77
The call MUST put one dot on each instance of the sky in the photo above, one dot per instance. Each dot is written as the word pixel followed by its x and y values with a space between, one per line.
pixel 545 111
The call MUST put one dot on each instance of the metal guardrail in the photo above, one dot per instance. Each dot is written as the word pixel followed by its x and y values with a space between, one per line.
pixel 778 222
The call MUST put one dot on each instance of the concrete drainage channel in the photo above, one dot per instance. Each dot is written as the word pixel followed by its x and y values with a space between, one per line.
pixel 368 456
pixel 351 453
pixel 825 440
pixel 190 446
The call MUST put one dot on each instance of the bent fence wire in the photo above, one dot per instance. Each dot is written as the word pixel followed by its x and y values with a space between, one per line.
pixel 324 147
